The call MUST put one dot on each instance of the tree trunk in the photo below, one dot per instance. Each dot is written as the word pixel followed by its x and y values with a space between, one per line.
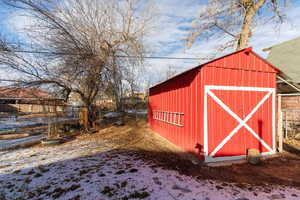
pixel 90 115
pixel 248 20
pixel 118 93
pixel 246 30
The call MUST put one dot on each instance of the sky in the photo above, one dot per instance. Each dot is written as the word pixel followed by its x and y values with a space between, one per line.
pixel 177 16
pixel 174 19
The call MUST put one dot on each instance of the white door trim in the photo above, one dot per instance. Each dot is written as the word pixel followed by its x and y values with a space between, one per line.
pixel 242 123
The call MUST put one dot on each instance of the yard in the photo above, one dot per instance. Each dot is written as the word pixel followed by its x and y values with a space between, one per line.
pixel 132 162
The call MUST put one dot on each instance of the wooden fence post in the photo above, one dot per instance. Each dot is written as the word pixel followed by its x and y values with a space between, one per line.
pixel 83 116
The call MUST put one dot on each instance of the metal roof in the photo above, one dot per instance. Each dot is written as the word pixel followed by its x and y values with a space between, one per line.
pixel 249 49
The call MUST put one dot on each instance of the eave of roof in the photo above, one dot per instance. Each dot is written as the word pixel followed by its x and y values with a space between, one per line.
pixel 282 43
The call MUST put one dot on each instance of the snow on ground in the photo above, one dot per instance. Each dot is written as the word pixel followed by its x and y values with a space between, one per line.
pixel 112 115
pixel 13 123
pixel 91 169
pixel 138 112
pixel 118 114
pixel 4 144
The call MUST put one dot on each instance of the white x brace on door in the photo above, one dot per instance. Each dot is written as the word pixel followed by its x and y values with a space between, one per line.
pixel 208 91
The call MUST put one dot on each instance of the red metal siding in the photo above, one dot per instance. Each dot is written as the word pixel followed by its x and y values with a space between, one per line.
pixel 185 94
pixel 179 95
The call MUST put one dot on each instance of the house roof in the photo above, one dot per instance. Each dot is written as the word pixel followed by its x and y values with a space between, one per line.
pixel 286 57
pixel 23 93
pixel 249 49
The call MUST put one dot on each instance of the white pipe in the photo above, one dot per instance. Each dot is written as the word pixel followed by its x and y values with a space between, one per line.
pixel 293 94
pixel 290 84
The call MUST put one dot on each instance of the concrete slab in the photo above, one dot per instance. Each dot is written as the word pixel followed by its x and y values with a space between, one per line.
pixel 226 163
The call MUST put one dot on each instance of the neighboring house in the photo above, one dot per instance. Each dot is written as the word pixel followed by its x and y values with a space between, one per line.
pixel 107 102
pixel 104 100
pixel 132 100
pixel 136 100
pixel 13 99
pixel 286 57
pixel 139 95
pixel 75 99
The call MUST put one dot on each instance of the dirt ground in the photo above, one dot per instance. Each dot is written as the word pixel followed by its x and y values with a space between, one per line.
pixel 136 137
pixel 133 162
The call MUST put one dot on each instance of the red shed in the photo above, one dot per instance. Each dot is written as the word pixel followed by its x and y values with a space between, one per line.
pixel 219 109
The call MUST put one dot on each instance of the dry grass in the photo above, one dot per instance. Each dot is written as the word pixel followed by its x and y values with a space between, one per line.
pixel 133 136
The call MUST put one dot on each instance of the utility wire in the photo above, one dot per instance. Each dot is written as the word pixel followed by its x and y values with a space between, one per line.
pixel 120 56
pixel 162 57
pixel 41 52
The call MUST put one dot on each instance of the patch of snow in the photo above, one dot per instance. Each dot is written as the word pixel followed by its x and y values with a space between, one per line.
pixel 11 143
pixel 112 115
pixel 91 170
pixel 139 112
pixel 13 123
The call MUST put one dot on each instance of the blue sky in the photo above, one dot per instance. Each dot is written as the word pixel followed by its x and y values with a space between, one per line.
pixel 168 39
pixel 176 18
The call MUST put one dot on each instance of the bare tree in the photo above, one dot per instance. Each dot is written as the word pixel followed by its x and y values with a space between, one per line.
pixel 235 18
pixel 124 79
pixel 117 87
pixel 132 75
pixel 171 71
pixel 86 40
